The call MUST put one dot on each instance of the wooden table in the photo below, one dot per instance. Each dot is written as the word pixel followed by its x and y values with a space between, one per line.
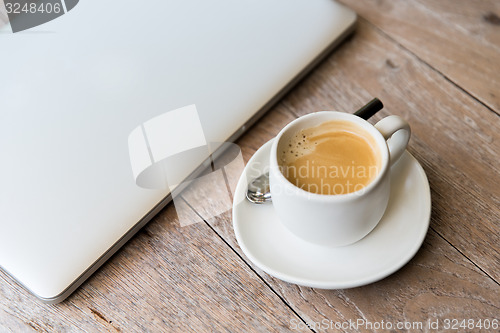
pixel 435 63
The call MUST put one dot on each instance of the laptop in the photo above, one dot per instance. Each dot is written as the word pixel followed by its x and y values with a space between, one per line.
pixel 72 91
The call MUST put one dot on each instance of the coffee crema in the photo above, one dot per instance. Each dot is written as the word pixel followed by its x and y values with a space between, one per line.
pixel 335 157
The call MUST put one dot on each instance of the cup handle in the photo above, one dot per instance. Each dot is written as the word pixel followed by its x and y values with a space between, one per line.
pixel 396 131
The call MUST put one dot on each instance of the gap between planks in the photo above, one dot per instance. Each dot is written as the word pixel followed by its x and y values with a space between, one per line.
pixel 463 254
pixel 440 73
pixel 248 265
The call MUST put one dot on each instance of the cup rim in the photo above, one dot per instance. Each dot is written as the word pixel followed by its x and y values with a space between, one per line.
pixel 335 115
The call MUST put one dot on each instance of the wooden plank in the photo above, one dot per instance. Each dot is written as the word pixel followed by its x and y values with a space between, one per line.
pixel 160 281
pixel 437 284
pixel 457 141
pixel 167 278
pixel 459 38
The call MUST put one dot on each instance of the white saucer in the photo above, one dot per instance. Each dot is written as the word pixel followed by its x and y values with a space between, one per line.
pixel 395 240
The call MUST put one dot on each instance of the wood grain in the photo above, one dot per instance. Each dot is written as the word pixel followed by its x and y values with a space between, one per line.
pixel 433 62
pixel 167 278
pixel 447 278
pixel 456 139
pixel 446 123
pixel 459 38
pixel 437 284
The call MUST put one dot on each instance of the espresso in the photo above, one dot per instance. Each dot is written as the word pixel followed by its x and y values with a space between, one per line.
pixel 336 157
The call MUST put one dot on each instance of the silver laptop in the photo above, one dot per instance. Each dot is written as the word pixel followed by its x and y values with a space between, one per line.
pixel 73 90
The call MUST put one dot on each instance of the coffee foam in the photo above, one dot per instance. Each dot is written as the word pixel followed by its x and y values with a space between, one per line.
pixel 335 154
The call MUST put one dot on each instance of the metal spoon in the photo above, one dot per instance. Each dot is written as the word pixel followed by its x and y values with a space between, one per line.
pixel 259 191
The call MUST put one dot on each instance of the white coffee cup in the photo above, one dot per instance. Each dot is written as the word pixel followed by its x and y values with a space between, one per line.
pixel 340 219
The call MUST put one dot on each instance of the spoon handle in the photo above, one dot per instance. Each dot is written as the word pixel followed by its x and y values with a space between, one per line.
pixel 369 109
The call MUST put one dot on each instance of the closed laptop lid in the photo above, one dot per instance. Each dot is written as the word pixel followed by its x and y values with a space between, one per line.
pixel 73 90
